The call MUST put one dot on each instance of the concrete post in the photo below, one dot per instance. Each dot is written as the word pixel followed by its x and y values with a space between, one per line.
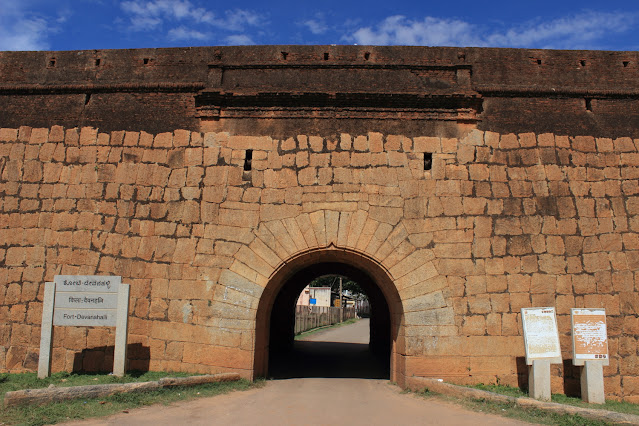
pixel 592 383
pixel 121 331
pixel 539 380
pixel 46 332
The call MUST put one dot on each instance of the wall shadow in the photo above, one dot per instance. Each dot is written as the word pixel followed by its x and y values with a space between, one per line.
pixel 572 379
pixel 99 359
pixel 570 374
pixel 329 360
pixel 522 373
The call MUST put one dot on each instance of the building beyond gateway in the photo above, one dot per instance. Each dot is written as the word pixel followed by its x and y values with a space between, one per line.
pixel 455 185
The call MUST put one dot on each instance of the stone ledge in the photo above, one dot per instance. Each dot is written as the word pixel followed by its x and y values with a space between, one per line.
pixel 419 383
pixel 57 394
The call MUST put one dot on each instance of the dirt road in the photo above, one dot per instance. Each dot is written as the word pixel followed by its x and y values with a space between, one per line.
pixel 352 333
pixel 314 400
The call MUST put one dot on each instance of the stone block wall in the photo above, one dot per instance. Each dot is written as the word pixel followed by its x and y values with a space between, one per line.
pixel 497 223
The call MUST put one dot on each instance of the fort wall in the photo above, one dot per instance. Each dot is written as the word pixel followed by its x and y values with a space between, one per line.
pixel 161 90
pixel 495 222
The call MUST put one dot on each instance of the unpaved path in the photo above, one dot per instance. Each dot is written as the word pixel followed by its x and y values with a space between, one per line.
pixel 311 401
pixel 351 333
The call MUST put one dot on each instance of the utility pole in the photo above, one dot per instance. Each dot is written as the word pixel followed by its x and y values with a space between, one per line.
pixel 341 302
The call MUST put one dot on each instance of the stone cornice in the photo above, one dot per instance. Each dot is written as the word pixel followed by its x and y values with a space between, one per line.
pixel 97 87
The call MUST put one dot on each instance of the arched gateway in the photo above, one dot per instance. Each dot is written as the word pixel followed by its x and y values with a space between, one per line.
pixel 275 316
pixel 284 255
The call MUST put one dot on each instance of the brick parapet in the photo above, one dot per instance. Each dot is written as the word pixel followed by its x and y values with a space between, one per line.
pixel 500 222
pixel 399 89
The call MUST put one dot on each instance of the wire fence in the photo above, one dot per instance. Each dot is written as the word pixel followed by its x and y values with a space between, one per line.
pixel 309 317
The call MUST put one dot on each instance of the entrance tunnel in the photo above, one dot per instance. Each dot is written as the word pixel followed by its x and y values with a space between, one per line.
pixel 284 357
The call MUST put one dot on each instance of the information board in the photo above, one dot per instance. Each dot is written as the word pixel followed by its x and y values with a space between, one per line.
pixel 86 300
pixel 541 337
pixel 589 335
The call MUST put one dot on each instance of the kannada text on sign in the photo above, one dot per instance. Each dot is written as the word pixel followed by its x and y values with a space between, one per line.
pixel 87 283
pixel 86 300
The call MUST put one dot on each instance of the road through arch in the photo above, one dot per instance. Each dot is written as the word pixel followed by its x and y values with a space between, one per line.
pixel 275 315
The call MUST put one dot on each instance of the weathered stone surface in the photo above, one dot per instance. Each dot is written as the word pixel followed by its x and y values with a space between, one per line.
pixel 502 218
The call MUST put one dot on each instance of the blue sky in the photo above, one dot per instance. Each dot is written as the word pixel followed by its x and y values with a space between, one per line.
pixel 115 24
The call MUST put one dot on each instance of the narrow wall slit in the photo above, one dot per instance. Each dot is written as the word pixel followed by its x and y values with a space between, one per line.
pixel 428 161
pixel 248 159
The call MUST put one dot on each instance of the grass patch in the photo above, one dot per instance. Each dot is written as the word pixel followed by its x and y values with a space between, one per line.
pixel 86 408
pixel 510 410
pixel 328 327
pixel 531 415
pixel 11 382
pixel 502 390
pixel 610 405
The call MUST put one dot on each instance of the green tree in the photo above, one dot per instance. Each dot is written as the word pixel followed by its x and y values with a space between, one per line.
pixel 332 281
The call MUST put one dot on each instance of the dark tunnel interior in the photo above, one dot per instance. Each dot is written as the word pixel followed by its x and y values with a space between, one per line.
pixel 289 358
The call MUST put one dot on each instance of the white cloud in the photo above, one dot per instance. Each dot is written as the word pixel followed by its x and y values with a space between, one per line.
pixel 182 33
pixel 573 32
pixel 569 32
pixel 236 20
pixel 21 30
pixel 152 13
pixel 430 31
pixel 238 40
pixel 147 15
pixel 315 26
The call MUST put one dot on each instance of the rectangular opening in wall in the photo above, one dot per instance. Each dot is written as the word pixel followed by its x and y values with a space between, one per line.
pixel 588 102
pixel 428 161
pixel 247 160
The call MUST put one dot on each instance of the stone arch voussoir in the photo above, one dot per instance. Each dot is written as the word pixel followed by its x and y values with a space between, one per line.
pixel 411 282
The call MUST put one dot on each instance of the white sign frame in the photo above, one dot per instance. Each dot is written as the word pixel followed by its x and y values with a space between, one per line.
pixel 108 305
pixel 531 337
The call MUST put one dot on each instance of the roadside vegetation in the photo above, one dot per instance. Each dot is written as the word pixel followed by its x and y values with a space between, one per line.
pixel 86 408
pixel 610 405
pixel 529 414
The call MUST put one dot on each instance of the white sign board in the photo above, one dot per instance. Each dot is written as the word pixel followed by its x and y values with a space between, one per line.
pixel 541 337
pixel 85 300
pixel 589 335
